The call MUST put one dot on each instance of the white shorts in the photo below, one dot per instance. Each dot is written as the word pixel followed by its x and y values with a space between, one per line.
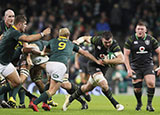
pixel 96 79
pixel 56 70
pixel 37 60
pixel 6 70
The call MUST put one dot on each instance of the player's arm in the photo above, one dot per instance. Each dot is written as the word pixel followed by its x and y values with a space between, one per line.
pixel 119 59
pixel 158 52
pixel 127 63
pixel 32 48
pixel 90 56
pixel 76 62
pixel 34 37
pixel 83 39
pixel 1 36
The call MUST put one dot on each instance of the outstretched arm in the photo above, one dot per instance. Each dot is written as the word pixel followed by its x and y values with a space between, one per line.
pixel 83 39
pixel 90 56
pixel 34 37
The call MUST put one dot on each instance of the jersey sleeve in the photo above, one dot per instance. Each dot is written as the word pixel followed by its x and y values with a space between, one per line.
pixel 116 47
pixel 75 48
pixel 95 40
pixel 155 43
pixel 16 34
pixel 128 43
pixel 48 44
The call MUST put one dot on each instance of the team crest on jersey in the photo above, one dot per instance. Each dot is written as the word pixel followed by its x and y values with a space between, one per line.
pixel 97 69
pixel 135 42
pixel 147 42
pixel 99 47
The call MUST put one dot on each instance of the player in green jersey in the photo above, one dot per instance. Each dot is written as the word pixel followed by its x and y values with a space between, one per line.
pixel 60 51
pixel 9 40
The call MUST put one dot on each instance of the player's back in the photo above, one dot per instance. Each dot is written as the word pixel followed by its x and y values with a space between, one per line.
pixel 61 49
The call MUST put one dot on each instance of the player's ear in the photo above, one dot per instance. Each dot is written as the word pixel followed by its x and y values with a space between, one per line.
pixel 146 30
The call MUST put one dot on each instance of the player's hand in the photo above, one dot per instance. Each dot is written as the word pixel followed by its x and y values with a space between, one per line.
pixel 43 52
pixel 76 42
pixel 100 62
pixel 158 71
pixel 76 64
pixel 130 73
pixel 47 31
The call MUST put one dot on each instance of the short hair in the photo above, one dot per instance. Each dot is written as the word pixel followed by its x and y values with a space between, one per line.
pixel 141 23
pixel 20 18
pixel 64 32
pixel 107 35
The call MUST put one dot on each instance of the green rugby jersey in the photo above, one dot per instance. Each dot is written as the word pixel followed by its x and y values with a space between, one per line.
pixel 7 45
pixel 41 44
pixel 61 49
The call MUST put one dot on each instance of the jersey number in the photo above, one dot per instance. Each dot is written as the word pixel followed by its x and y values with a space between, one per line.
pixel 61 45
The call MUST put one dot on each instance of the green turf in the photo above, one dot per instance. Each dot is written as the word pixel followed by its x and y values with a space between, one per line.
pixel 98 106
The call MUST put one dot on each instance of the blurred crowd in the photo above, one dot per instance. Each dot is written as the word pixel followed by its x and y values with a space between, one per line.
pixel 87 17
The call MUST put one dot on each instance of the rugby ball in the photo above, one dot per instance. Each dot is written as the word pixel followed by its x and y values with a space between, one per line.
pixel 111 55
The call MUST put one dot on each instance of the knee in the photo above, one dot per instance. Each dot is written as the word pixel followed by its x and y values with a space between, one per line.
pixel 85 88
pixel 16 83
pixel 151 84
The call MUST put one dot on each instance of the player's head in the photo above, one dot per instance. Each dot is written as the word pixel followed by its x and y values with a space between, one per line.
pixel 9 17
pixel 21 23
pixel 141 29
pixel 64 33
pixel 107 38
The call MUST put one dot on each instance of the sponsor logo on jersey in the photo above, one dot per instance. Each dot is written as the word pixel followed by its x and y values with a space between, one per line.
pixel 135 42
pixel 97 69
pixel 99 47
pixel 142 50
pixel 147 42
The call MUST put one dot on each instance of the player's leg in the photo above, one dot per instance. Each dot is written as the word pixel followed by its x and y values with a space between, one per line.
pixel 84 78
pixel 56 70
pixel 80 91
pixel 12 76
pixel 3 102
pixel 102 82
pixel 36 77
pixel 138 93
pixel 21 95
pixel 150 81
pixel 24 73
pixel 137 84
pixel 71 88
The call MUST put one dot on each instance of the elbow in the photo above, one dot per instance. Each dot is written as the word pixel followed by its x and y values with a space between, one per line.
pixel 121 61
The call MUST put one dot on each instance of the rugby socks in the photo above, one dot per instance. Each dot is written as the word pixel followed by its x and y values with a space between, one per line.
pixel 46 87
pixel 76 94
pixel 108 94
pixel 15 91
pixel 29 95
pixel 43 98
pixel 21 94
pixel 2 97
pixel 150 94
pixel 7 87
pixel 138 97
pixel 73 89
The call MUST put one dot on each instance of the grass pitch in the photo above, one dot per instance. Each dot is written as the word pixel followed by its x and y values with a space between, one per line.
pixel 98 106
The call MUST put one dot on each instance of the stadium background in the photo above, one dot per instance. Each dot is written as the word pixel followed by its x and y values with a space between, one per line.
pixel 88 17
